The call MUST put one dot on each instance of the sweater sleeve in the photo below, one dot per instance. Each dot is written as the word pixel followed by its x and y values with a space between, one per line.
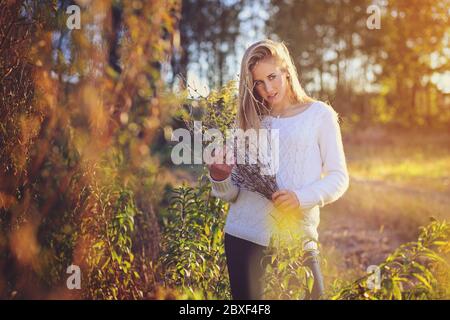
pixel 225 189
pixel 336 180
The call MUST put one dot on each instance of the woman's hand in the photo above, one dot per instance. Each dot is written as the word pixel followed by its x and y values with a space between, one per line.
pixel 285 200
pixel 220 171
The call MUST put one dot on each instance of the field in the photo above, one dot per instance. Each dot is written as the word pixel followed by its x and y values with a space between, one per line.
pixel 397 182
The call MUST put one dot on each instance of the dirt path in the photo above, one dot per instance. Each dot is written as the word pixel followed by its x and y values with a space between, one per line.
pixel 358 243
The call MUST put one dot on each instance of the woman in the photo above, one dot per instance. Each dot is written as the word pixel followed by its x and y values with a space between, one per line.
pixel 270 94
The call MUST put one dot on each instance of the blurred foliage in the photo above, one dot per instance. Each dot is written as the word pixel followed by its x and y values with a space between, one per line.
pixel 215 111
pixel 79 110
pixel 382 76
pixel 209 31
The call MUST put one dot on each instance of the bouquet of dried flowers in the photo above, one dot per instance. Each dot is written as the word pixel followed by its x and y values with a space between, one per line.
pixel 219 111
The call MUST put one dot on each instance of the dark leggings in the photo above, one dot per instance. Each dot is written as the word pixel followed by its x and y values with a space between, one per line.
pixel 246 269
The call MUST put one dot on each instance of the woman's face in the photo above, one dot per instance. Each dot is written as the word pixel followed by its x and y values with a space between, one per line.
pixel 271 84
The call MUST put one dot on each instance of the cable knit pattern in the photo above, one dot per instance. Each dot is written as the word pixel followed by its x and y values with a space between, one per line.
pixel 310 146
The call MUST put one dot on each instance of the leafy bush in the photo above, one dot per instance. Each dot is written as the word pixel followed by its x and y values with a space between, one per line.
pixel 106 234
pixel 192 251
pixel 287 277
pixel 217 110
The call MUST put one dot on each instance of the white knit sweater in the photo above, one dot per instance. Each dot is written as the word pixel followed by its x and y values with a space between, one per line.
pixel 310 146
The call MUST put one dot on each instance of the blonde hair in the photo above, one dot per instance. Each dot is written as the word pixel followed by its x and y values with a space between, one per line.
pixel 250 107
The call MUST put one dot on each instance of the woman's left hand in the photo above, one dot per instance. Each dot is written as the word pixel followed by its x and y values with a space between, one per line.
pixel 285 200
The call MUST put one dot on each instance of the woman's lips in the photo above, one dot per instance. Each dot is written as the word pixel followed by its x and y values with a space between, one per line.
pixel 272 97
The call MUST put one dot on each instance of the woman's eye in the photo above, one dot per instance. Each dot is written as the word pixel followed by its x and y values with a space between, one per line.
pixel 258 83
pixel 271 77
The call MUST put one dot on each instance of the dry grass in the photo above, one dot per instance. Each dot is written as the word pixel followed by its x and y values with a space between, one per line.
pixel 397 182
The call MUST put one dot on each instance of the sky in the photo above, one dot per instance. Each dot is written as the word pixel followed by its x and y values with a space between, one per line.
pixel 252 30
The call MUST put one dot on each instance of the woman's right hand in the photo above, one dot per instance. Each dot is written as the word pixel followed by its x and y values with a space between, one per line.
pixel 220 171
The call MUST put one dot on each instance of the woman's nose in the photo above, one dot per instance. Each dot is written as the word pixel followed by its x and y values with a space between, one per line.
pixel 268 88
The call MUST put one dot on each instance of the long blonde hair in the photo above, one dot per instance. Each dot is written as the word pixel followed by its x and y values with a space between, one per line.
pixel 251 108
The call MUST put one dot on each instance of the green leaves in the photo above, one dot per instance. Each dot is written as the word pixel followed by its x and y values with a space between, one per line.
pixel 112 270
pixel 411 271
pixel 287 276
pixel 192 253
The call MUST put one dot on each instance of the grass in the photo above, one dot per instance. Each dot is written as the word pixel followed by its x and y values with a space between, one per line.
pixel 420 161
pixel 397 183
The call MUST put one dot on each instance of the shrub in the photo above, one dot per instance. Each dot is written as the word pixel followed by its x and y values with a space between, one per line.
pixel 416 270
pixel 192 251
